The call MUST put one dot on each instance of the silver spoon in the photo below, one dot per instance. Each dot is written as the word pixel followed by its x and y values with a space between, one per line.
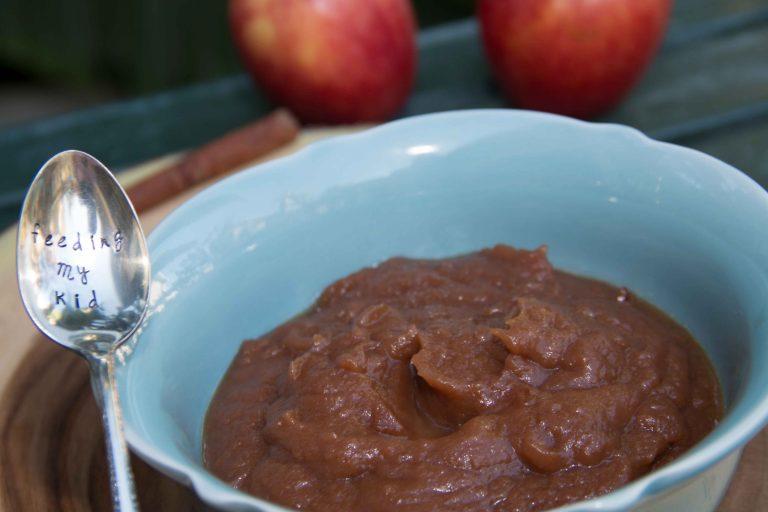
pixel 83 272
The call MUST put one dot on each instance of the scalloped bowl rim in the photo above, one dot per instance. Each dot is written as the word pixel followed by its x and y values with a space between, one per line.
pixel 218 493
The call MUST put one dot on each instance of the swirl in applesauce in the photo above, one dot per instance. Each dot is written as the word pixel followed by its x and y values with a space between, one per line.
pixel 484 382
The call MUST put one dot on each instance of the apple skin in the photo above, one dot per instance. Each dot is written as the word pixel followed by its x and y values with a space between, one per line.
pixel 571 57
pixel 329 61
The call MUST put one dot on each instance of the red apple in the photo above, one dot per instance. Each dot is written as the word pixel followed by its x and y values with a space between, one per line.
pixel 330 61
pixel 572 57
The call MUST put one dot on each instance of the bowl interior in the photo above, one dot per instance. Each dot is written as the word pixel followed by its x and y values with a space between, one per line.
pixel 682 230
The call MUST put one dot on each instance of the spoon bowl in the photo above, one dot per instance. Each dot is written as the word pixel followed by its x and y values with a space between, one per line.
pixel 82 258
pixel 83 271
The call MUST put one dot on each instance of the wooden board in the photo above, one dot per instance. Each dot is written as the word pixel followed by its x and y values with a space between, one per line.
pixel 51 445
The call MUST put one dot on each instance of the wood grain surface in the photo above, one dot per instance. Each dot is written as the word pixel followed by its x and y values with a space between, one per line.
pixel 51 443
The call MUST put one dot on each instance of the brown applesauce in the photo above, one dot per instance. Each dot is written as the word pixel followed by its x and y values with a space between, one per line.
pixel 484 382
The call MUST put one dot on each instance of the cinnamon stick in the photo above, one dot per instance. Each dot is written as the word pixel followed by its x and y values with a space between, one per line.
pixel 215 158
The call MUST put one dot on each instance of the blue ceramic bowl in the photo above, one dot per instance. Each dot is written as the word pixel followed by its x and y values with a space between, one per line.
pixel 685 231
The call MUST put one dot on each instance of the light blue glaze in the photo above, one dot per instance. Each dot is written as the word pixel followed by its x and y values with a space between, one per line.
pixel 683 230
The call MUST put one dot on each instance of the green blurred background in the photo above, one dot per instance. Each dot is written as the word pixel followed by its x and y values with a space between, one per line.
pixel 60 55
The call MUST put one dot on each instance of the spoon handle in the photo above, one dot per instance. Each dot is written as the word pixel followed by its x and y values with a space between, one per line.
pixel 121 478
